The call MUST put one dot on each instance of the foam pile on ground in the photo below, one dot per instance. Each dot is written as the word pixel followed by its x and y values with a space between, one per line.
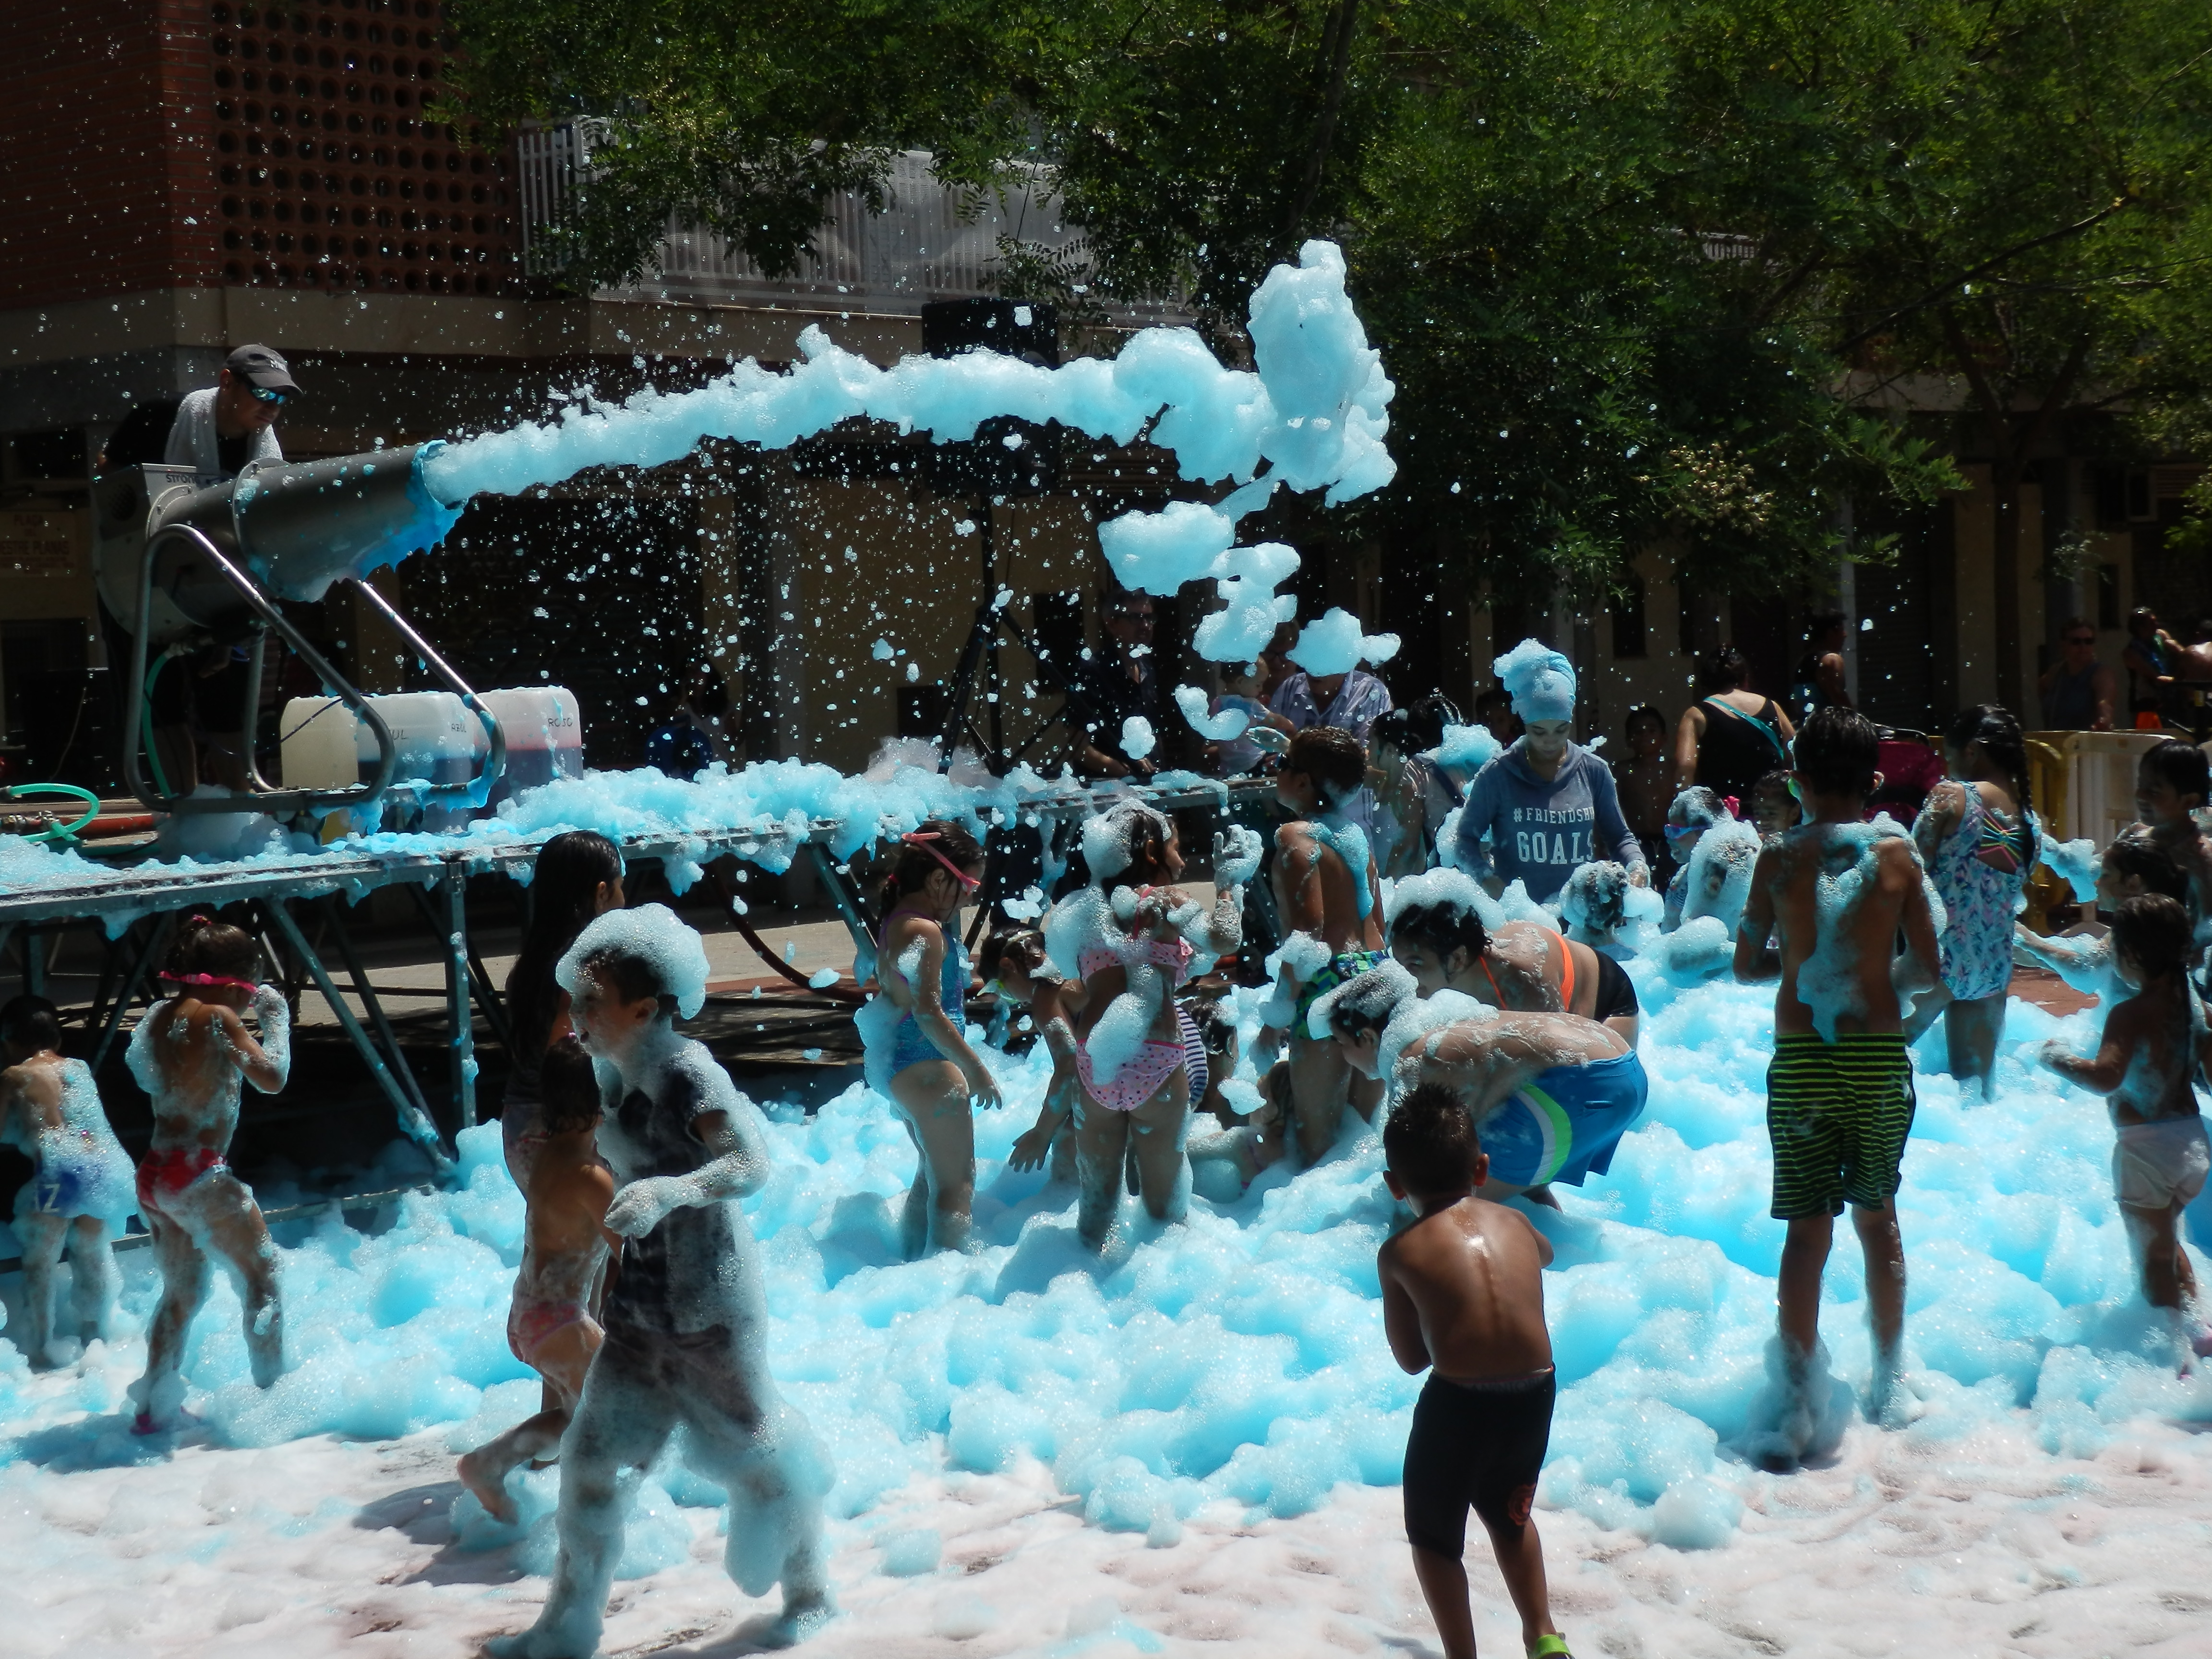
pixel 1240 1360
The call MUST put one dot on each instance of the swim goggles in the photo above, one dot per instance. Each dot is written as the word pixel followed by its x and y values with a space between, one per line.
pixel 217 980
pixel 923 838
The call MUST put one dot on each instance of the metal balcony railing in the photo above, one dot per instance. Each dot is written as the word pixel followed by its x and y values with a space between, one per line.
pixel 932 241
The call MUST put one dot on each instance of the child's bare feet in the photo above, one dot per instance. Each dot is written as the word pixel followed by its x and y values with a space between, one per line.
pixel 489 1488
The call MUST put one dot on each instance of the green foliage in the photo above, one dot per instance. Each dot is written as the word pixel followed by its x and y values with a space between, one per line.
pixel 1643 270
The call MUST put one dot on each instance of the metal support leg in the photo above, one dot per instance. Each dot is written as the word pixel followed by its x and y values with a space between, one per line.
pixel 157 943
pixel 488 1000
pixel 413 1122
pixel 34 962
pixel 366 992
pixel 848 905
pixel 458 987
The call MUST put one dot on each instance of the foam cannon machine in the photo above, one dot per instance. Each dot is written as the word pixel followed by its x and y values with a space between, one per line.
pixel 183 566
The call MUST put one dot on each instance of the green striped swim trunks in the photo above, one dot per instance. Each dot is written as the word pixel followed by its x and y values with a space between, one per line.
pixel 1838 1114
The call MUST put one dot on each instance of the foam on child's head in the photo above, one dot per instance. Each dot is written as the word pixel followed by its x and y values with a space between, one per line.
pixel 1541 681
pixel 1469 747
pixel 1443 888
pixel 1364 1002
pixel 1111 839
pixel 651 934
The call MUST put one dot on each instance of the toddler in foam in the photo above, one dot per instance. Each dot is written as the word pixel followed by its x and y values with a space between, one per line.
pixel 1463 1299
pixel 2152 1047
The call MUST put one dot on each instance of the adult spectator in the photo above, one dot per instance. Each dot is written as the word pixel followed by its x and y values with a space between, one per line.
pixel 1120 681
pixel 1351 701
pixel 2078 691
pixel 2153 659
pixel 1732 735
pixel 199 702
pixel 1548 804
pixel 1819 682
pixel 696 732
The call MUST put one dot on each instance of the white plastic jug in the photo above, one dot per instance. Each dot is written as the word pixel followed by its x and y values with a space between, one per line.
pixel 545 732
pixel 317 744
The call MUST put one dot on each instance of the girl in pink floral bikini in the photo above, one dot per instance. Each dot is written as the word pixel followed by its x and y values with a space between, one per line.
pixel 1131 965
pixel 1978 840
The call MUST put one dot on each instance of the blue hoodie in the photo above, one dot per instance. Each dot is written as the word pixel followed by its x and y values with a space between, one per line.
pixel 1540 832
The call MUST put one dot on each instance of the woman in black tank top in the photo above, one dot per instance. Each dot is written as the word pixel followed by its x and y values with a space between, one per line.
pixel 1723 746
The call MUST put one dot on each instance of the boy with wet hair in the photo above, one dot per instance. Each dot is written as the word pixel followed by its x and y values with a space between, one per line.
pixel 686 1321
pixel 50 1111
pixel 1329 897
pixel 2173 783
pixel 1833 894
pixel 1463 1299
pixel 2152 1044
pixel 549 1326
pixel 191 1053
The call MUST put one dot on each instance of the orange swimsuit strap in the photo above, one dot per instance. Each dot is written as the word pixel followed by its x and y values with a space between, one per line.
pixel 1566 974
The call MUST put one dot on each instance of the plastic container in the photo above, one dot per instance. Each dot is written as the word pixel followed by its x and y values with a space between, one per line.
pixel 317 744
pixel 438 741
pixel 544 732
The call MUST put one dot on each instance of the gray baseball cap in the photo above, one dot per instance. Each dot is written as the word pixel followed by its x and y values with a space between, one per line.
pixel 263 367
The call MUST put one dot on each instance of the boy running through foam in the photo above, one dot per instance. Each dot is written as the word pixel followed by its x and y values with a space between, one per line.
pixel 1551 1095
pixel 2151 1046
pixel 1834 893
pixel 686 1322
pixel 191 1053
pixel 1463 1298
pixel 1326 890
pixel 80 1181
pixel 549 1325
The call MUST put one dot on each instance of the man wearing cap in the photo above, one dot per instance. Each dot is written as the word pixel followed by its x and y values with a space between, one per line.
pixel 218 431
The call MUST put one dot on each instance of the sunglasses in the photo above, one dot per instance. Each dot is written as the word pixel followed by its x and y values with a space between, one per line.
pixel 269 394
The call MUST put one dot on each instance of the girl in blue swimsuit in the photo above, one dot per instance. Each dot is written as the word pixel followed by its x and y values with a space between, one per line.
pixel 921 1061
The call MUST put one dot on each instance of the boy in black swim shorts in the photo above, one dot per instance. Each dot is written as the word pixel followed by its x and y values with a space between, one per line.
pixel 1463 1299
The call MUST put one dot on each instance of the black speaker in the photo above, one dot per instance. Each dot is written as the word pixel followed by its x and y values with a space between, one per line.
pixel 1006 456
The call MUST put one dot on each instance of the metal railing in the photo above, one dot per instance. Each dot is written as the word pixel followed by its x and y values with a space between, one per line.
pixel 932 240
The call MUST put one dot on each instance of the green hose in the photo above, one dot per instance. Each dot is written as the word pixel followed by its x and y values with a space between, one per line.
pixel 60 832
pixel 146 726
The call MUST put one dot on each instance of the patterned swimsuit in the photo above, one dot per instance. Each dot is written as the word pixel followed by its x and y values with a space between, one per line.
pixel 1980 869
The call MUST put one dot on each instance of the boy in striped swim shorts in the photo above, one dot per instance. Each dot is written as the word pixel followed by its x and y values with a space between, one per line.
pixel 1833 894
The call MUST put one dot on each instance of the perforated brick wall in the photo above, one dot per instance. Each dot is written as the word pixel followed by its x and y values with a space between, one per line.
pixel 327 174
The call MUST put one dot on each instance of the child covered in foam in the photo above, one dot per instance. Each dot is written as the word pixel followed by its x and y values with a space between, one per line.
pixel 2174 783
pixel 1329 897
pixel 1463 1299
pixel 2131 867
pixel 80 1183
pixel 913 1033
pixel 1716 884
pixel 1550 1094
pixel 1694 811
pixel 686 1321
pixel 1833 894
pixel 191 1053
pixel 1450 935
pixel 1131 950
pixel 2153 1043
pixel 551 1327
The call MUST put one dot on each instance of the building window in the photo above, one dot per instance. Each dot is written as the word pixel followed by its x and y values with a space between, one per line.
pixel 1628 639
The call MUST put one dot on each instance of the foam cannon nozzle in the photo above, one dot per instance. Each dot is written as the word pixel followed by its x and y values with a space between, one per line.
pixel 183 566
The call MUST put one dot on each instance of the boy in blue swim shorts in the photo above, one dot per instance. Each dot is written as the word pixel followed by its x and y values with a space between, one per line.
pixel 1551 1095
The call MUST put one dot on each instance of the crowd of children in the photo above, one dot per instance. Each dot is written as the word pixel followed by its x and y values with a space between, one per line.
pixel 1494 1045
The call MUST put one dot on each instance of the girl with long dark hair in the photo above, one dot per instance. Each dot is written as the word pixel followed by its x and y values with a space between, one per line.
pixel 579 876
pixel 1978 839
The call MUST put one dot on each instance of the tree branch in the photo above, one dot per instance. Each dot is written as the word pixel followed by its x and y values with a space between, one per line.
pixel 1936 294
pixel 1340 42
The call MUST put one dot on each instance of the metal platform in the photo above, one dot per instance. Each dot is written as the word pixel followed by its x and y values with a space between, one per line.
pixel 299 918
